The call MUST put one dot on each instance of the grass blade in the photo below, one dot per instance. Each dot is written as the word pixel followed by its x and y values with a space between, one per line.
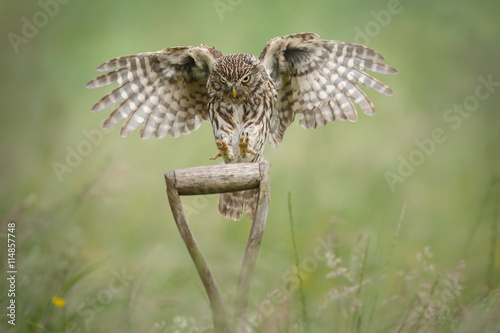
pixel 78 276
pixel 305 317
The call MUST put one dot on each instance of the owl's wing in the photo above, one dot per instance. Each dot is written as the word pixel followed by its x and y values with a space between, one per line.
pixel 318 80
pixel 165 90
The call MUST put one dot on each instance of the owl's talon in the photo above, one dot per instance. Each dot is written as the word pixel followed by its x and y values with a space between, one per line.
pixel 223 150
pixel 216 156
pixel 244 149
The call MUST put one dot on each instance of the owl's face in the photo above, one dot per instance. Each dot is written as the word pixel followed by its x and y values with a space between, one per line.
pixel 237 77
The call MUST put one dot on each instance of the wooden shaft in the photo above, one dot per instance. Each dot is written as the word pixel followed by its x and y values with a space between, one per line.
pixel 253 246
pixel 206 276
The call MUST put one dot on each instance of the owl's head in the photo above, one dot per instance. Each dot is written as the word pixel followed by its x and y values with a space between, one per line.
pixel 237 77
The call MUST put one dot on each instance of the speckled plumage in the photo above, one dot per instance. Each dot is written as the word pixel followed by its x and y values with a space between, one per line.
pixel 248 100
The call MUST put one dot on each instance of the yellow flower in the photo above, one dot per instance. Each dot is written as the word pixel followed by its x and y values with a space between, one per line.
pixel 59 302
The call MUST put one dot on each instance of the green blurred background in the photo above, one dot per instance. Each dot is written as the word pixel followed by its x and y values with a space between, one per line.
pixel 110 204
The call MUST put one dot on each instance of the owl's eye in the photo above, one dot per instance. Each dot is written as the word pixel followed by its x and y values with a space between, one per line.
pixel 245 79
pixel 222 80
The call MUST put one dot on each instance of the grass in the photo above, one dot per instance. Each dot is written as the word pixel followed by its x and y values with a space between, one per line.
pixel 359 289
pixel 305 317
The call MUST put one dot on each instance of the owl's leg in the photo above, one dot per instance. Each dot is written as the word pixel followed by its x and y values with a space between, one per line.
pixel 244 146
pixel 225 150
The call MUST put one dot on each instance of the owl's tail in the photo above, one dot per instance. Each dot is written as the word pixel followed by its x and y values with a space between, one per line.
pixel 231 204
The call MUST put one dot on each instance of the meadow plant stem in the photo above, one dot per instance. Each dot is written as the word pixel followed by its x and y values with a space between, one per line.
pixel 408 314
pixel 305 317
pixel 388 265
pixel 358 314
pixel 495 219
pixel 425 306
pixel 484 211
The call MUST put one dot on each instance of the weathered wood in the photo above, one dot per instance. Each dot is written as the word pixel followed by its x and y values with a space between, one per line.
pixel 204 271
pixel 217 178
pixel 252 250
pixel 221 179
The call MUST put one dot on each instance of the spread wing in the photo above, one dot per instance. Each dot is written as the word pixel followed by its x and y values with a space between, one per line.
pixel 163 91
pixel 318 80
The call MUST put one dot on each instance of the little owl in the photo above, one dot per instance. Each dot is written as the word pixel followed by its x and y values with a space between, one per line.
pixel 248 100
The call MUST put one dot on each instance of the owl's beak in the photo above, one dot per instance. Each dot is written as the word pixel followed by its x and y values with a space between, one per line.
pixel 234 91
